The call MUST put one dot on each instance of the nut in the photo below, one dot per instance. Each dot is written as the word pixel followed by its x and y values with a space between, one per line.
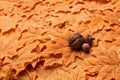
pixel 86 47
pixel 76 41
pixel 89 39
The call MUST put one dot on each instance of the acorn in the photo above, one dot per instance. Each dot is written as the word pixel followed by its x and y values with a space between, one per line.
pixel 75 41
pixel 86 47
pixel 89 39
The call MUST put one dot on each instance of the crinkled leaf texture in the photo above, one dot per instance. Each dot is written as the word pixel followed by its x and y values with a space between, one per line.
pixel 34 39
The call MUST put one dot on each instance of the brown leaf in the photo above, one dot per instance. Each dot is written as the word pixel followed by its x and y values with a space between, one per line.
pixel 104 64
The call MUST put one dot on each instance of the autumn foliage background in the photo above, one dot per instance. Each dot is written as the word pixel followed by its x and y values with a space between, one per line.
pixel 34 39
